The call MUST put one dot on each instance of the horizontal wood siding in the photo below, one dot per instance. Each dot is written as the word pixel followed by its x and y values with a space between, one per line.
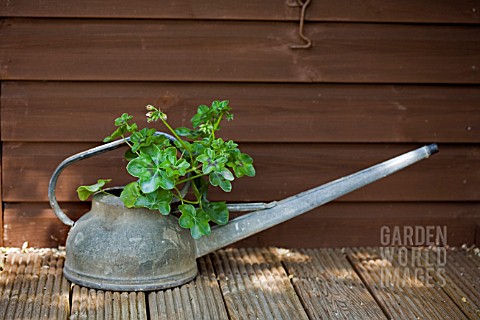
pixel 425 11
pixel 382 78
pixel 302 112
pixel 336 224
pixel 282 170
pixel 59 49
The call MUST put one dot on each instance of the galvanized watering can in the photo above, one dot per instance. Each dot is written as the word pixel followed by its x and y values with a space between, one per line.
pixel 115 248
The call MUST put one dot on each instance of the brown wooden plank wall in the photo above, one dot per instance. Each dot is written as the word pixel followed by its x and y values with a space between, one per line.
pixel 382 77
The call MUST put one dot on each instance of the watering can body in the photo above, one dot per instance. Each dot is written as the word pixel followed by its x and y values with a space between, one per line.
pixel 116 248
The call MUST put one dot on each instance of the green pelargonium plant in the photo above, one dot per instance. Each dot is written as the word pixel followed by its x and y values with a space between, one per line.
pixel 162 167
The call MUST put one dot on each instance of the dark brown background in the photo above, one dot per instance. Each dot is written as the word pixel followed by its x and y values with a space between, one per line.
pixel 382 78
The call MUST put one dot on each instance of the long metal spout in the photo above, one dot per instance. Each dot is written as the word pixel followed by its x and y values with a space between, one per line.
pixel 281 211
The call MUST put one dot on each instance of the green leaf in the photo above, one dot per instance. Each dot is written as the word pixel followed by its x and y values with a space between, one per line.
pixel 187 219
pixel 130 194
pixel 199 117
pixel 187 209
pixel 153 153
pixel 211 162
pixel 186 222
pixel 141 138
pixel 123 120
pixel 123 127
pixel 183 146
pixel 157 200
pixel 182 166
pixel 147 167
pixel 226 185
pixel 194 219
pixel 140 166
pixel 86 191
pixel 164 208
pixel 116 134
pixel 201 227
pixel 245 158
pixel 131 127
pixel 227 175
pixel 224 104
pixel 183 131
pixel 129 155
pixel 198 148
pixel 217 211
pixel 157 180
pixel 217 180
pixel 242 164
pixel 187 133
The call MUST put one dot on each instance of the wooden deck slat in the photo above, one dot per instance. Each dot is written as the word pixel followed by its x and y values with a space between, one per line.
pixel 243 287
pixel 108 305
pixel 32 289
pixel 75 314
pixel 245 306
pixel 424 300
pixel 23 295
pixel 9 296
pixel 117 309
pixel 350 288
pixel 32 285
pixel 200 298
pixel 213 293
pixel 462 279
pixel 276 270
pixel 97 304
pixel 401 293
pixel 328 285
pixel 257 283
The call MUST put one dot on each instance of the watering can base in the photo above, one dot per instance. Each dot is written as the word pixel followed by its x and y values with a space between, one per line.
pixel 137 284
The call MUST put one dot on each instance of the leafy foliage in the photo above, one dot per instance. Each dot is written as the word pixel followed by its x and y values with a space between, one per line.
pixel 84 192
pixel 161 166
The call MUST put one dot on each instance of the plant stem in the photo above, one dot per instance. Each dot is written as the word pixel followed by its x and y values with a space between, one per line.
pixel 191 202
pixel 176 135
pixel 218 122
pixel 190 178
pixel 193 170
pixel 215 126
pixel 128 143
pixel 182 199
pixel 197 194
pixel 178 138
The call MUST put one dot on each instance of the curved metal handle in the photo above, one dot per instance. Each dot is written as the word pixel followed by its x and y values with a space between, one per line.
pixel 75 158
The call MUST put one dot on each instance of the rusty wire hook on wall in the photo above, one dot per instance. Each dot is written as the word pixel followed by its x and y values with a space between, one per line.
pixel 308 42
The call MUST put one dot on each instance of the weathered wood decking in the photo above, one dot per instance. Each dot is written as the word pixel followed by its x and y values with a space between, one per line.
pixel 261 283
